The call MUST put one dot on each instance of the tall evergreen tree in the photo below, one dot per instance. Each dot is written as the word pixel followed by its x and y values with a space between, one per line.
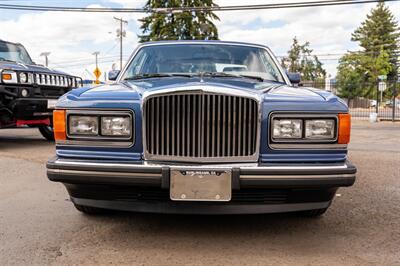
pixel 300 60
pixel 179 25
pixel 379 36
pixel 380 31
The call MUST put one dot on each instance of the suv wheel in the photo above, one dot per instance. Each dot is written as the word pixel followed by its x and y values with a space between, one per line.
pixel 47 132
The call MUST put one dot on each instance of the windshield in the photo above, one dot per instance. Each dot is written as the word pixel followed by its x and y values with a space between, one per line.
pixel 14 52
pixel 195 59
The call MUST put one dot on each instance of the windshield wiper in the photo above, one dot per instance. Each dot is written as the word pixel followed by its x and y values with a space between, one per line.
pixel 158 75
pixel 224 74
pixel 7 60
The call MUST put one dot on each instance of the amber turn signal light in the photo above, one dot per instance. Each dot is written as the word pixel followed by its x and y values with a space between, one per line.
pixel 59 125
pixel 6 76
pixel 344 128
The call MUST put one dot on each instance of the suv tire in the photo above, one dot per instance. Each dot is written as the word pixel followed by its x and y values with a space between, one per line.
pixel 47 132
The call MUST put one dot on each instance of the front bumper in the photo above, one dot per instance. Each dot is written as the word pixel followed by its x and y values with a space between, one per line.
pixel 243 175
pixel 256 188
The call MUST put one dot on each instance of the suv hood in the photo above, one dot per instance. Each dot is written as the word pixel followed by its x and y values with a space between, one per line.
pixel 31 68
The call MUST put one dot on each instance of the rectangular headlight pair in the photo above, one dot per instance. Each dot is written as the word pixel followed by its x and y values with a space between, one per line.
pixel 93 125
pixel 303 129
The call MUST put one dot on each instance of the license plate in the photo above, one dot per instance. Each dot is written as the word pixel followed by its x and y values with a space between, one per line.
pixel 51 104
pixel 201 185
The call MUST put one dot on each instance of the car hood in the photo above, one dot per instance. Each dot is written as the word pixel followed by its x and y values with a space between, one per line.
pixel 135 90
pixel 31 68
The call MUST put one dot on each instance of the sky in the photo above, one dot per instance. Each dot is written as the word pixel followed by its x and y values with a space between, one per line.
pixel 73 37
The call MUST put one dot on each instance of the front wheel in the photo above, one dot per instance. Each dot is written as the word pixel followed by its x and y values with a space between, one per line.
pixel 314 213
pixel 90 210
pixel 47 132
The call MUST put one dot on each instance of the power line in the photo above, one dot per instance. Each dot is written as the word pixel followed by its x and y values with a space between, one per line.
pixel 187 8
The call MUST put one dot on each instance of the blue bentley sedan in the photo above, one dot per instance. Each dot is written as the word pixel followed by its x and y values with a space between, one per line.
pixel 202 127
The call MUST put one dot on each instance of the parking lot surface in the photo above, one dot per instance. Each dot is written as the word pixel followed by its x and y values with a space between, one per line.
pixel 39 225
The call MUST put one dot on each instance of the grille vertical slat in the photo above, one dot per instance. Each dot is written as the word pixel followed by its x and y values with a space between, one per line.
pixel 200 126
pixel 240 127
pixel 157 138
pixel 218 141
pixel 173 126
pixel 244 127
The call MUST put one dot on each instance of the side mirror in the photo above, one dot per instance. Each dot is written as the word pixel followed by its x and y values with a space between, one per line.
pixel 113 74
pixel 294 78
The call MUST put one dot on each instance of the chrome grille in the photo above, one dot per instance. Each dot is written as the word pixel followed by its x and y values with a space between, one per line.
pixel 211 126
pixel 56 80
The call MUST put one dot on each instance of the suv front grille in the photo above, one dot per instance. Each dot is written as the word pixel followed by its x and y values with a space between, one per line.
pixel 186 127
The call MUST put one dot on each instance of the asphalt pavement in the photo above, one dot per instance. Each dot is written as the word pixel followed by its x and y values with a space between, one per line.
pixel 39 225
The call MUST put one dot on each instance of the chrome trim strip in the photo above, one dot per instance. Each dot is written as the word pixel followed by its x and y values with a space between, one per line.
pixel 332 146
pixel 98 173
pixel 318 167
pixel 266 177
pixel 159 166
pixel 96 144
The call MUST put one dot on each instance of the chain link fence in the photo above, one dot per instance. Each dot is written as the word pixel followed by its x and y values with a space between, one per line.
pixel 382 102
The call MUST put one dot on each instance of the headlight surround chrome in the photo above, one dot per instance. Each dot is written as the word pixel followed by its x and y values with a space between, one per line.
pixel 116 126
pixel 319 129
pixel 315 128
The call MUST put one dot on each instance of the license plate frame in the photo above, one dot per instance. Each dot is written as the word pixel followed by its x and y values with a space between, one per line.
pixel 201 185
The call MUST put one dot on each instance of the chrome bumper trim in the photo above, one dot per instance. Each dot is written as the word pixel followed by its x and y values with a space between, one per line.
pixel 102 174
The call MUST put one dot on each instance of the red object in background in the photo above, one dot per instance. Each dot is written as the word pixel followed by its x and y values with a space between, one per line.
pixel 33 122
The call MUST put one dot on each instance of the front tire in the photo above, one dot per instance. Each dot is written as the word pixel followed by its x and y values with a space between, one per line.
pixel 47 132
pixel 314 213
pixel 90 210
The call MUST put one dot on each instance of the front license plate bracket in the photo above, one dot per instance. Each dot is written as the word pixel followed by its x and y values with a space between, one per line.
pixel 200 185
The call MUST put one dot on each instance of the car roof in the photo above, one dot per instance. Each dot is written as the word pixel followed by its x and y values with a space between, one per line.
pixel 16 43
pixel 204 41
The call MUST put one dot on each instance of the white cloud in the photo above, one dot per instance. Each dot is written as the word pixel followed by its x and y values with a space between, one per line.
pixel 70 37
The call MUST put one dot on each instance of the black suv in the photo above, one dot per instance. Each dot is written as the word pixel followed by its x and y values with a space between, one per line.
pixel 28 92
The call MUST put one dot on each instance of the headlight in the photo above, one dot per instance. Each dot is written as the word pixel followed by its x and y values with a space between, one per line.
pixel 116 126
pixel 83 125
pixel 296 129
pixel 287 128
pixel 320 129
pixel 25 78
pixel 9 76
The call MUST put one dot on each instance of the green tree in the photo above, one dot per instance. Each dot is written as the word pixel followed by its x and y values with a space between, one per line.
pixel 299 59
pixel 379 37
pixel 350 76
pixel 165 24
pixel 379 32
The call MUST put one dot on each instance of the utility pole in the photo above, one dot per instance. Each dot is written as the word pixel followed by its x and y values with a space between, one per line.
pixel 96 54
pixel 121 34
pixel 97 72
pixel 46 57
